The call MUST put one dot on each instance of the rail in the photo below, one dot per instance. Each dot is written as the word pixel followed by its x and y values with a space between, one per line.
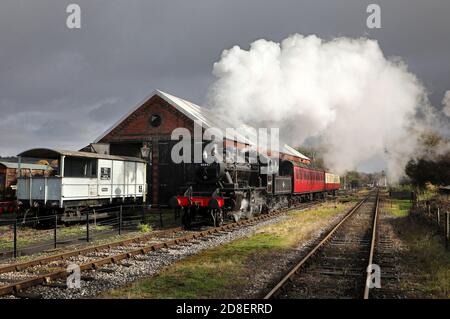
pixel 297 267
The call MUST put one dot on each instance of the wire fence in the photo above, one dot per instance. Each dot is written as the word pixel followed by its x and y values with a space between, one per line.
pixel 24 235
pixel 437 214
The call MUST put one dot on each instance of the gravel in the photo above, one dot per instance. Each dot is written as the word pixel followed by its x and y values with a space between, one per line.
pixel 267 276
pixel 94 282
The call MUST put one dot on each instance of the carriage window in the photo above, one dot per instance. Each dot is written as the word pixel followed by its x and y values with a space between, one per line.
pixel 80 167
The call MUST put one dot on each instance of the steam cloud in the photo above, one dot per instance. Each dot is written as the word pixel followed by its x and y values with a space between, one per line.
pixel 344 93
pixel 446 103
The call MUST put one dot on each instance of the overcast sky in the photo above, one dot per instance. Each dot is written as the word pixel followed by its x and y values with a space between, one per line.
pixel 62 88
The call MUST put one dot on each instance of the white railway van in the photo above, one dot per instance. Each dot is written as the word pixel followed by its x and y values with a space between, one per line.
pixel 81 179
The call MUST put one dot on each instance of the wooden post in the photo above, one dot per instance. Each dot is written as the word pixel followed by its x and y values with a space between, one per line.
pixel 55 229
pixel 15 238
pixel 438 216
pixel 120 220
pixel 447 230
pixel 87 226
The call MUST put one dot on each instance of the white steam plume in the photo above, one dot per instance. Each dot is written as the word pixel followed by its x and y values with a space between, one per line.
pixel 344 92
pixel 446 103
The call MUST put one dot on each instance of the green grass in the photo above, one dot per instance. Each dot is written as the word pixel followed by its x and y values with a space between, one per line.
pixel 221 271
pixel 167 216
pixel 427 258
pixel 28 236
pixel 144 228
pixel 398 207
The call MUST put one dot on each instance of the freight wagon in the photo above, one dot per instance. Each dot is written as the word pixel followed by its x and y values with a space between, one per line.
pixel 81 180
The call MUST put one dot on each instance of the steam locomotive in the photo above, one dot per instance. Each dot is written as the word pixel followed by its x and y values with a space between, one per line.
pixel 231 190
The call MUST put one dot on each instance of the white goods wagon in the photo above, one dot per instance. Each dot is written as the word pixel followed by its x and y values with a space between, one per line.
pixel 82 179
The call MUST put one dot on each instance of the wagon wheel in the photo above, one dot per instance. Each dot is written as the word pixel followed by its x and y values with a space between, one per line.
pixel 219 217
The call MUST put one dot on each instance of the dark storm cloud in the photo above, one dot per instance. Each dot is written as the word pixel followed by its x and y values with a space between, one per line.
pixel 61 87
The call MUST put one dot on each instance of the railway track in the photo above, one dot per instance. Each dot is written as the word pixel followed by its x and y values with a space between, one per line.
pixel 386 255
pixel 337 266
pixel 17 277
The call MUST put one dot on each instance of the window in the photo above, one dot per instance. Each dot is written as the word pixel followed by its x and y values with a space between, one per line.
pixel 155 120
pixel 80 167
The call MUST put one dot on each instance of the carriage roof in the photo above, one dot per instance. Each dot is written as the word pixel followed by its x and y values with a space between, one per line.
pixel 56 153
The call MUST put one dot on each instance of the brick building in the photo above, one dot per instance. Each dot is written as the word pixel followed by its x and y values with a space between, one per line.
pixel 146 131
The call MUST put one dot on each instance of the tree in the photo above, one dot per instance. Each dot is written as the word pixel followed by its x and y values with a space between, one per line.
pixel 315 154
pixel 433 166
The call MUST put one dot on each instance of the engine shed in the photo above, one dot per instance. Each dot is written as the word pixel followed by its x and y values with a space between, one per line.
pixel 145 132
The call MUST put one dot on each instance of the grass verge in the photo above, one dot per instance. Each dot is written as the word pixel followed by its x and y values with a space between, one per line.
pixel 424 259
pixel 225 271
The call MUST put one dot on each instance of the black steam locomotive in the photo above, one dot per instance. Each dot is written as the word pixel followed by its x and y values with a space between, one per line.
pixel 231 189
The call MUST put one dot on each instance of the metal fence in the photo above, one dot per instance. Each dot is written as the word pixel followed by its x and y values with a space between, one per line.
pixel 24 235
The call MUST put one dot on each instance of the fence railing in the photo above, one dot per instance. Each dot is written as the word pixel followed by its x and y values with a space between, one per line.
pixel 435 215
pixel 22 235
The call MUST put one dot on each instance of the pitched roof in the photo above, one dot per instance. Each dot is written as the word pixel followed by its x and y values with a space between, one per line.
pixel 55 153
pixel 15 165
pixel 208 119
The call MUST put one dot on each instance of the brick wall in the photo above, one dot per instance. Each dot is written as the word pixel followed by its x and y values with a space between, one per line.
pixel 137 128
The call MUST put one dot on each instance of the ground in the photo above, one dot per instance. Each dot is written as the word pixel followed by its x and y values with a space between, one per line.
pixel 36 240
pixel 245 268
pixel 242 268
pixel 423 259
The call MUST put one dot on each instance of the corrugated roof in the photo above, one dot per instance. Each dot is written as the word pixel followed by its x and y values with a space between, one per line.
pixel 25 166
pixel 52 153
pixel 208 120
pixel 292 151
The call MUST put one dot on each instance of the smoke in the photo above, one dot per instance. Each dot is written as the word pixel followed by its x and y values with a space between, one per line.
pixel 344 93
pixel 446 103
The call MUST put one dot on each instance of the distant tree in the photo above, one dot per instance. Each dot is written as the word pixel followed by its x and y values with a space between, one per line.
pixel 315 154
pixel 433 166
pixel 354 179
